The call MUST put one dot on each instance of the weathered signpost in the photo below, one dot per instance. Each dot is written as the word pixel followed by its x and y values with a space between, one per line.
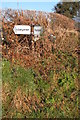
pixel 34 31
pixel 26 29
pixel 37 30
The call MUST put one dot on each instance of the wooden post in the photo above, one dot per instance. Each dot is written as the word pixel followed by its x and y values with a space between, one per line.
pixel 32 37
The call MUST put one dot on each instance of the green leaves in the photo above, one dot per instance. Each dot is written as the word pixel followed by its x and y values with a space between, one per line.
pixel 68 9
pixel 55 96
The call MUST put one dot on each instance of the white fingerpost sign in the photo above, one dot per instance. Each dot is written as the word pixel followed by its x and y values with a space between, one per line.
pixel 22 29
pixel 37 30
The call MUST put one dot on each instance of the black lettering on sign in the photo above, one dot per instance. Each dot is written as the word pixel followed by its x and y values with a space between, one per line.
pixel 22 29
pixel 37 29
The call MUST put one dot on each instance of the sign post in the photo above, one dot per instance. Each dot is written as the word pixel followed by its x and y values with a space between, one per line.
pixel 33 31
pixel 32 37
pixel 22 29
pixel 37 30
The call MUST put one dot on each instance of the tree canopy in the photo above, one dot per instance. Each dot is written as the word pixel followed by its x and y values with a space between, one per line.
pixel 68 9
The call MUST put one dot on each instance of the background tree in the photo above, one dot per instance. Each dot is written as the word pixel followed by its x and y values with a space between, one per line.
pixel 68 9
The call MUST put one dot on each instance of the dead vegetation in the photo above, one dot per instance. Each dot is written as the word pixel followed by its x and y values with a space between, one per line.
pixel 19 47
pixel 54 64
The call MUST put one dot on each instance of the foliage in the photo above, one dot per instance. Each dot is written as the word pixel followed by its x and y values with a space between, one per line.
pixel 41 83
pixel 68 9
pixel 39 98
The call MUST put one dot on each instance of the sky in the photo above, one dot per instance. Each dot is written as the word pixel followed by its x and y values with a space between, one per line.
pixel 42 6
